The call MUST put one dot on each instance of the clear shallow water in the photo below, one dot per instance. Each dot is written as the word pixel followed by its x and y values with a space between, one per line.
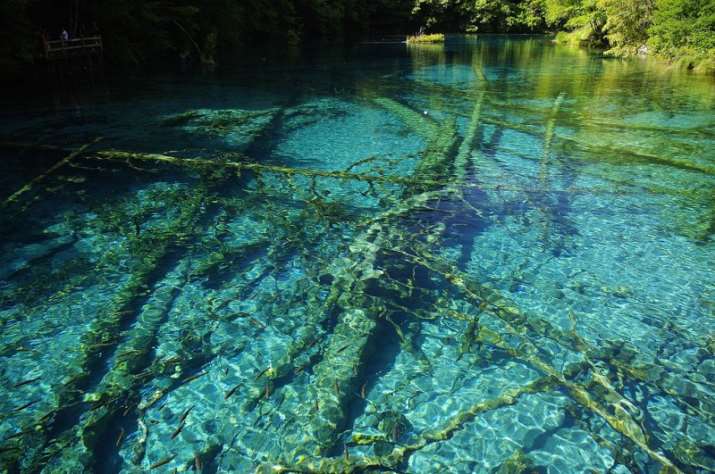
pixel 490 256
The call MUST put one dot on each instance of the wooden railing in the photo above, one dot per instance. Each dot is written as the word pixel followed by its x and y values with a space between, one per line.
pixel 86 45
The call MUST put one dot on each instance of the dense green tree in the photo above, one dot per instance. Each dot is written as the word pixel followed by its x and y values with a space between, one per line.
pixel 138 31
pixel 683 24
pixel 583 20
pixel 480 15
pixel 627 23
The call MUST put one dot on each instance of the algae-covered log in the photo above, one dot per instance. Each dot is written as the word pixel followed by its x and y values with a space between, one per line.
pixel 74 154
pixel 545 164
pixel 617 416
pixel 148 251
pixel 492 300
pixel 437 160
pixel 336 374
pixel 438 157
pixel 434 159
pixel 101 335
pixel 420 123
pixel 258 167
pixel 117 391
pixel 465 148
pixel 318 312
pixel 548 137
pixel 498 306
pixel 399 454
pixel 610 154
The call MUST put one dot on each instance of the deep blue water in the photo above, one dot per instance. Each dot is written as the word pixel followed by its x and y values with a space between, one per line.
pixel 493 255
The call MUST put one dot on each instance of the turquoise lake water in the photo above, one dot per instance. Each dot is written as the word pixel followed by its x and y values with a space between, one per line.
pixel 495 255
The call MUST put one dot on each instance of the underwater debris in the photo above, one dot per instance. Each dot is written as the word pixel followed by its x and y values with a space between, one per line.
pixel 231 392
pixel 237 127
pixel 469 338
pixel 518 463
pixel 442 143
pixel 26 382
pixel 393 425
pixel 16 195
pixel 117 155
pixel 692 454
pixel 466 147
pixel 180 119
pixel 226 257
pixel 186 413
pixel 337 373
pixel 178 430
pixel 287 275
pixel 162 462
pixel 422 124
pixel 606 153
pixel 120 438
pixel 548 138
pixel 26 405
pixel 496 304
pixel 544 167
pixel 397 455
pixel 619 420
pixel 116 391
pixel 438 157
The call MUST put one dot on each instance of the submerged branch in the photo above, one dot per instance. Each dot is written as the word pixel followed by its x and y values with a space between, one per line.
pixel 257 167
pixel 16 195
pixel 609 153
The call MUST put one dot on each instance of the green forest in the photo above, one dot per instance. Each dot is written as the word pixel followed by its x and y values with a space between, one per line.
pixel 139 31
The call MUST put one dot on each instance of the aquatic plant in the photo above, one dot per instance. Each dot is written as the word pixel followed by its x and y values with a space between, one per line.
pixel 426 38
pixel 235 126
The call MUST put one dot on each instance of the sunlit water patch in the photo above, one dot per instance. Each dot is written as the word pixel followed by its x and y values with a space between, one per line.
pixel 494 255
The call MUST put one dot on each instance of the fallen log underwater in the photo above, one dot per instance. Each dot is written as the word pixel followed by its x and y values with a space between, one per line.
pixel 52 440
pixel 609 153
pixel 288 171
pixel 359 314
pixel 599 152
pixel 98 341
pixel 357 322
pixel 620 421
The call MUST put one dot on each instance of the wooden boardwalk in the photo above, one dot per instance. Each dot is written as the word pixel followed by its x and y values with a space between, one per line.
pixel 87 46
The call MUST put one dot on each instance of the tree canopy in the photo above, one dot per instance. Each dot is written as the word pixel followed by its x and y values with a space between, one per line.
pixel 137 31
